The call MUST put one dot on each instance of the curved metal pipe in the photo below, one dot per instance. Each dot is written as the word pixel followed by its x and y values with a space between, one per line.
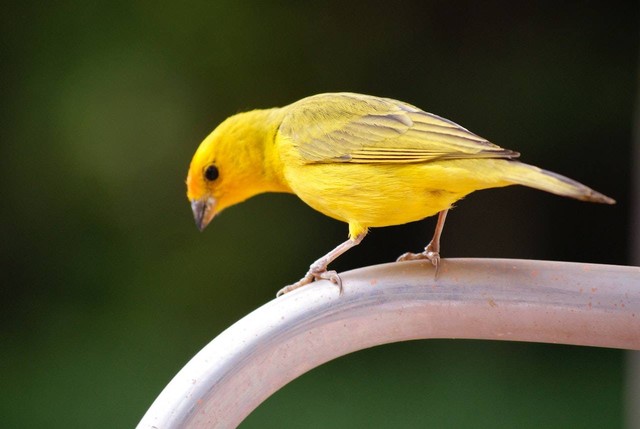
pixel 497 299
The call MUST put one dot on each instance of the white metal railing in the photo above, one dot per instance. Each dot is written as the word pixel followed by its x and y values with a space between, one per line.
pixel 497 299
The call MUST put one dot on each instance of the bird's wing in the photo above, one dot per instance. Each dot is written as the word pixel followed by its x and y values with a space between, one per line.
pixel 345 127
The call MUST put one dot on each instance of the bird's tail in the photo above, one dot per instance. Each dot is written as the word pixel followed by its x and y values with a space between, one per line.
pixel 534 177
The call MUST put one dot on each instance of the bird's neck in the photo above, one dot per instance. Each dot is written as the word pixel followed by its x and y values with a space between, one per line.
pixel 257 138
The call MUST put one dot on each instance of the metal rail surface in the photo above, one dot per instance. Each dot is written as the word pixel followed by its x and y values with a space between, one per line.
pixel 496 299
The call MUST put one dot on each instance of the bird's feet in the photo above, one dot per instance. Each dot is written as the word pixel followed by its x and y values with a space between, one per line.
pixel 429 253
pixel 316 272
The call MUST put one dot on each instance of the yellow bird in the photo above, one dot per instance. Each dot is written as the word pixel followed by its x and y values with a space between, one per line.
pixel 365 160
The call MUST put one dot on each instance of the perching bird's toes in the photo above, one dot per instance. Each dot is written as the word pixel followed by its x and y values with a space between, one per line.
pixel 410 256
pixel 431 255
pixel 333 277
pixel 312 275
pixel 308 278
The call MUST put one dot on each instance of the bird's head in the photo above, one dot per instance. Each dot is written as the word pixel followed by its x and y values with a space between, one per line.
pixel 228 167
pixel 202 190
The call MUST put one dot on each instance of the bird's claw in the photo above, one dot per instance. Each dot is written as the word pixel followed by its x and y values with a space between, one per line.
pixel 333 277
pixel 314 273
pixel 429 254
pixel 409 256
pixel 433 257
pixel 308 278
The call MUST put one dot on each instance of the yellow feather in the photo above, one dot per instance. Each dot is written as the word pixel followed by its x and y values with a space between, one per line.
pixel 364 160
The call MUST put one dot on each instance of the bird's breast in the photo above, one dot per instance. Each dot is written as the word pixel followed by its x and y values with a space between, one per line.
pixel 372 195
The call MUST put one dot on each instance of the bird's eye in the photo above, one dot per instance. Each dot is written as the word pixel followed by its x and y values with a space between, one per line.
pixel 211 173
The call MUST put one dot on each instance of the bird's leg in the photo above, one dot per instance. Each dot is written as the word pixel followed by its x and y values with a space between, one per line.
pixel 432 251
pixel 318 270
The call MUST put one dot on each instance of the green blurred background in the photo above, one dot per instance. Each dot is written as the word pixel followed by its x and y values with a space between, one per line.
pixel 108 289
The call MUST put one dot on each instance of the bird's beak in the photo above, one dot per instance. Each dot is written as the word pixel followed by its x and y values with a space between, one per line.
pixel 203 211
